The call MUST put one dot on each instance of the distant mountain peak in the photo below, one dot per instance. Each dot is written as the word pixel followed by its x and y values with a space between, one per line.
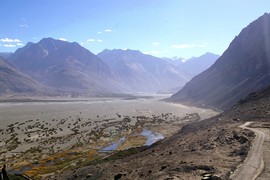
pixel 196 65
pixel 209 53
pixel 63 64
pixel 51 44
pixel 48 39
pixel 56 43
pixel 142 72
pixel 176 58
pixel 122 51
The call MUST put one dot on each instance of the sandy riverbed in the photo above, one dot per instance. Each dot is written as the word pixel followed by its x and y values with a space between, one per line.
pixel 31 131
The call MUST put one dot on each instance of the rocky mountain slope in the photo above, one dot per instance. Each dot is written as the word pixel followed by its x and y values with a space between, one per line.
pixel 138 72
pixel 64 65
pixel 242 69
pixel 14 82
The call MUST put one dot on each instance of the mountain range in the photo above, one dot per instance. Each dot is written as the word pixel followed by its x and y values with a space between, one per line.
pixel 176 61
pixel 196 65
pixel 140 72
pixel 193 66
pixel 242 69
pixel 68 66
pixel 64 65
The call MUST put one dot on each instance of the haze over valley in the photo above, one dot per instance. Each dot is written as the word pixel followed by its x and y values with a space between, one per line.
pixel 69 66
pixel 143 90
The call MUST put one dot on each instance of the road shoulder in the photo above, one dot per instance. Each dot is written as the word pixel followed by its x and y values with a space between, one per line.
pixel 253 165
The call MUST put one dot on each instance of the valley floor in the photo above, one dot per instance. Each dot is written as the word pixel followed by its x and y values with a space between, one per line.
pixel 216 147
pixel 44 139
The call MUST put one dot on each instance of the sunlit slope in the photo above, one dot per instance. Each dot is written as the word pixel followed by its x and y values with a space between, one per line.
pixel 64 65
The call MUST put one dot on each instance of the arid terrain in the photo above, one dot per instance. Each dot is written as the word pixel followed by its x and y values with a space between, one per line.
pixel 216 147
pixel 54 136
pixel 265 174
pixel 112 138
pixel 135 90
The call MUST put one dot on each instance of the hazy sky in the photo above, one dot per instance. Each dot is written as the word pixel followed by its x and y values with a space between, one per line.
pixel 163 28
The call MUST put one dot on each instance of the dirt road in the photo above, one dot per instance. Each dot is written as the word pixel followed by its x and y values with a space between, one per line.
pixel 253 165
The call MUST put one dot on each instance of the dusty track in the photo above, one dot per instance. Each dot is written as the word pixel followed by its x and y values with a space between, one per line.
pixel 253 164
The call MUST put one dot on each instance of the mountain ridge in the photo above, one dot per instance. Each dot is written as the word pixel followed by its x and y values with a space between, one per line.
pixel 142 72
pixel 242 69
pixel 196 65
pixel 66 65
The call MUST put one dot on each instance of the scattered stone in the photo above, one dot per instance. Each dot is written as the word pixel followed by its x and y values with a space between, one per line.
pixel 205 178
pixel 216 178
pixel 243 139
pixel 118 176
pixel 89 175
pixel 163 167
pixel 207 175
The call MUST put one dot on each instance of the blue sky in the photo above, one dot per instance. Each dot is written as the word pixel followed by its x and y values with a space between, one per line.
pixel 163 28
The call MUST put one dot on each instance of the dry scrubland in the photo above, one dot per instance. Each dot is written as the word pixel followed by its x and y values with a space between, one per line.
pixel 41 139
pixel 215 146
